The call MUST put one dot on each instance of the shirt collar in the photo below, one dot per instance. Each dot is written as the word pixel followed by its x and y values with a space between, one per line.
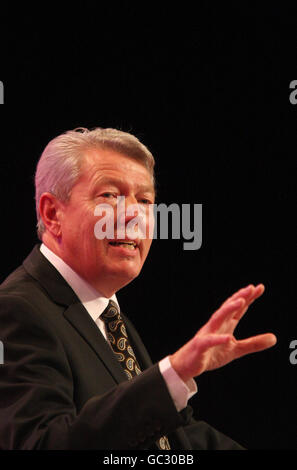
pixel 93 301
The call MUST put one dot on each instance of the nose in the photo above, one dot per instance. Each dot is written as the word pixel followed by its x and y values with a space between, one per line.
pixel 132 209
pixel 127 209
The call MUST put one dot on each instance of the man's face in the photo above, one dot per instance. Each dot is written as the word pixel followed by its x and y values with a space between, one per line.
pixel 105 176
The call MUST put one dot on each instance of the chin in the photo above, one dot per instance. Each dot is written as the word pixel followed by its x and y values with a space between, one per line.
pixel 126 275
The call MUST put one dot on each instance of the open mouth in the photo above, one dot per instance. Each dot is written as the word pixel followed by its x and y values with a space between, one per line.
pixel 131 245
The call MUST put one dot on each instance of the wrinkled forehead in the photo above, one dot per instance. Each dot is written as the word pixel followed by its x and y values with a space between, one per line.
pixel 106 164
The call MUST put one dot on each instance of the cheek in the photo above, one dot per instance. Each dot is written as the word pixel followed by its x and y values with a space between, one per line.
pixel 79 231
pixel 146 245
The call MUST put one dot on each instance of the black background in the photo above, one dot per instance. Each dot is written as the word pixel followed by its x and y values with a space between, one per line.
pixel 207 90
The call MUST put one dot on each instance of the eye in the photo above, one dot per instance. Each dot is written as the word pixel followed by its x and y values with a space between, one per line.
pixel 108 195
pixel 145 201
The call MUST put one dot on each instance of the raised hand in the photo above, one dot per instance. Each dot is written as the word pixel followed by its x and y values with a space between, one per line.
pixel 214 345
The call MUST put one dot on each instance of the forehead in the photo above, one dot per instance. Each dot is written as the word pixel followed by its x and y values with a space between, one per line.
pixel 102 164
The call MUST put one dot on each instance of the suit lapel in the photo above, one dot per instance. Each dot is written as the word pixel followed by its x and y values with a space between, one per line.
pixel 61 293
pixel 77 315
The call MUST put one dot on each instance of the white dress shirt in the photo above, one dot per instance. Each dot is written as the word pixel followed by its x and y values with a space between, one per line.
pixel 95 304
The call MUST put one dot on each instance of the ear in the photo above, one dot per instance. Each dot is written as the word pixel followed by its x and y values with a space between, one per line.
pixel 49 209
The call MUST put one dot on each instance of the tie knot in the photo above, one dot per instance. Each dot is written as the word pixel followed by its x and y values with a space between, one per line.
pixel 111 312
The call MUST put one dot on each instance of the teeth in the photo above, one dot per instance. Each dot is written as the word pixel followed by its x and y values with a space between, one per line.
pixel 129 245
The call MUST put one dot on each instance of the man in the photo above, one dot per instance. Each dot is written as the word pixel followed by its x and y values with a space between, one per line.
pixel 64 385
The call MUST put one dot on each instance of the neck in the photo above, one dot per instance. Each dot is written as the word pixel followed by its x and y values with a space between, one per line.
pixel 105 285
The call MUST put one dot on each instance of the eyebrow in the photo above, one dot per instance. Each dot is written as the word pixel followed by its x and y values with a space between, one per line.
pixel 110 180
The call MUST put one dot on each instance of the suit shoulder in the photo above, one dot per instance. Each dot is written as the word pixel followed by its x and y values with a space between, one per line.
pixel 20 293
pixel 15 278
pixel 18 284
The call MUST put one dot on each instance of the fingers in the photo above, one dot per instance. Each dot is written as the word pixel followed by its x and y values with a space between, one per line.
pixel 255 292
pixel 243 292
pixel 249 293
pixel 232 310
pixel 255 344
pixel 222 316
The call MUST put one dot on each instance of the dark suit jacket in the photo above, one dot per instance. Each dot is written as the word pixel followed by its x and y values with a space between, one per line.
pixel 61 386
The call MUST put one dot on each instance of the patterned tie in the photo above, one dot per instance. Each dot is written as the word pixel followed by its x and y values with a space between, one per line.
pixel 118 339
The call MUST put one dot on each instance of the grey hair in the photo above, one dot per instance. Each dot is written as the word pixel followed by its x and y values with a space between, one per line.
pixel 58 168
